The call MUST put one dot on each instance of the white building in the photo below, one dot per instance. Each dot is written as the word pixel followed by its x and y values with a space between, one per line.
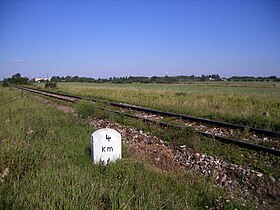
pixel 39 79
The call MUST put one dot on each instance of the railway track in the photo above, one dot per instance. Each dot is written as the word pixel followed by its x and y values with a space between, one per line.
pixel 210 128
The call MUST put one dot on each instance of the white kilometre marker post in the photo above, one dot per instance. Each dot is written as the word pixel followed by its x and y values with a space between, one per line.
pixel 106 146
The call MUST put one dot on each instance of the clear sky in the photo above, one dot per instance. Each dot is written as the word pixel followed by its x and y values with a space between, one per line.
pixel 122 38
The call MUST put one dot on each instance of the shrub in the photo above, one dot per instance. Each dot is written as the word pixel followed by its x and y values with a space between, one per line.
pixel 5 83
pixel 50 85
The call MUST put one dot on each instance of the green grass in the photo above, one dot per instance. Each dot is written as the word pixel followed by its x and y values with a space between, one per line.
pixel 86 108
pixel 259 161
pixel 250 104
pixel 259 88
pixel 46 153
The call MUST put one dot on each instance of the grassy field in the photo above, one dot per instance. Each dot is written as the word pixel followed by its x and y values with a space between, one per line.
pixel 260 88
pixel 45 164
pixel 252 104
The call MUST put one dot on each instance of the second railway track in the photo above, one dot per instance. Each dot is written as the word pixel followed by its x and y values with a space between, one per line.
pixel 210 128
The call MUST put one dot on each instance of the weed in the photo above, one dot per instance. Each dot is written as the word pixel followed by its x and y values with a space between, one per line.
pixel 86 108
pixel 50 85
pixel 188 136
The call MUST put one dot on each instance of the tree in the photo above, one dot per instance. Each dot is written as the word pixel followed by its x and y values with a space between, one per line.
pixel 16 79
pixel 17 75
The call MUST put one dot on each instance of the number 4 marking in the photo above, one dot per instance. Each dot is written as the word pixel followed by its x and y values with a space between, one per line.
pixel 108 138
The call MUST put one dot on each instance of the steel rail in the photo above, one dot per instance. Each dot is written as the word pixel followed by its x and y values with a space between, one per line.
pixel 201 120
pixel 226 140
pixel 222 139
pixel 46 94
pixel 51 92
pixel 185 117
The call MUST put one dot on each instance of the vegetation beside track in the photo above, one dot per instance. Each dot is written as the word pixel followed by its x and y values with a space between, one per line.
pixel 259 161
pixel 249 104
pixel 45 164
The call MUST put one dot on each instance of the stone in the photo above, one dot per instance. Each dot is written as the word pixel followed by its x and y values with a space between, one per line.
pixel 106 146
pixel 259 174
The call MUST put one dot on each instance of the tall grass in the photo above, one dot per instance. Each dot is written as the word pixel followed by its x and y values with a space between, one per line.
pixel 86 108
pixel 45 156
pixel 259 161
pixel 257 106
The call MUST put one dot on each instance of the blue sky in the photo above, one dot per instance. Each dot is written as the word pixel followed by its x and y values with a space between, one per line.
pixel 148 37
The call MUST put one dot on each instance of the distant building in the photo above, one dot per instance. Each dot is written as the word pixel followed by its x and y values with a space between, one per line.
pixel 225 79
pixel 41 79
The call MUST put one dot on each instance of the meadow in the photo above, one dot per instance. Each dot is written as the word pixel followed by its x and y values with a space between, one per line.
pixel 45 164
pixel 255 104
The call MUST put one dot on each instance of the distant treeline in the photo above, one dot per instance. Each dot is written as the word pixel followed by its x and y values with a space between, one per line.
pixel 254 79
pixel 165 79
pixel 16 79
pixel 131 79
